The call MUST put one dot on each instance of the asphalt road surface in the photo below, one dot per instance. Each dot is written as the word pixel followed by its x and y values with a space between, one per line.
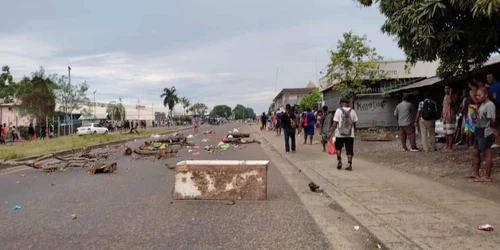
pixel 133 209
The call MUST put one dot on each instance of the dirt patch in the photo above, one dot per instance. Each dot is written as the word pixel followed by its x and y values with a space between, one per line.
pixel 446 167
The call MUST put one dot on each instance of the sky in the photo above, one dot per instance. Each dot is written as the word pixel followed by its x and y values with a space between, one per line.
pixel 214 52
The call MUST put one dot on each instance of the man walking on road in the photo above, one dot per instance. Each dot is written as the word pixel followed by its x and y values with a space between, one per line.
pixel 344 124
pixel 484 136
pixel 326 124
pixel 288 120
pixel 426 122
pixel 406 125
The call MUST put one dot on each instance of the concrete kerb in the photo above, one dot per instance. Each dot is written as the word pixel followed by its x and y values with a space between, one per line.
pixel 70 151
pixel 384 233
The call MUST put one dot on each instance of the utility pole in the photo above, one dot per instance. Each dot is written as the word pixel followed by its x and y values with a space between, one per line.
pixel 71 115
pixel 95 105
pixel 276 83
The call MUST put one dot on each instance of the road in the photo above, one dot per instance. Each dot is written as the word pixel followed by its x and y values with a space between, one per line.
pixel 133 209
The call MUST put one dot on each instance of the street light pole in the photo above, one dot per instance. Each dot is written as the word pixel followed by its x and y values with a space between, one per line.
pixel 95 115
pixel 71 115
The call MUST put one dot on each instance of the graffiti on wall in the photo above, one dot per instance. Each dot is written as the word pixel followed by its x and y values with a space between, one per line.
pixel 370 105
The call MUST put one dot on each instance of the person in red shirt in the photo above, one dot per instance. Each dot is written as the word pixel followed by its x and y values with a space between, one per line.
pixel 3 133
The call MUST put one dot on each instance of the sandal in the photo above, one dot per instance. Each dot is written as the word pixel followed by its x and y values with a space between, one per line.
pixel 482 179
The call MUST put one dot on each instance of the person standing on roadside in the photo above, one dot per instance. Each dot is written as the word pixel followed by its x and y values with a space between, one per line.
pixel 263 120
pixel 279 115
pixel 325 125
pixel 288 120
pixel 484 136
pixel 426 122
pixel 344 124
pixel 2 138
pixel 403 112
pixel 448 117
pixel 309 121
pixel 494 93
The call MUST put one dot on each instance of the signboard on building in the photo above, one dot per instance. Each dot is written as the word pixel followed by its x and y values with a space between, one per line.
pixel 140 107
pixel 375 111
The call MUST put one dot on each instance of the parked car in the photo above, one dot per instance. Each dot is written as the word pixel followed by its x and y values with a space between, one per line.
pixel 91 129
pixel 439 128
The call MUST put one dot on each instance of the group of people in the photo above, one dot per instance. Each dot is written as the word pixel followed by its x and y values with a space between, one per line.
pixel 474 120
pixel 337 127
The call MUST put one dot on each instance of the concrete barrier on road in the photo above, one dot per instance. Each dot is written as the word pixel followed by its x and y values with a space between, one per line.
pixel 220 180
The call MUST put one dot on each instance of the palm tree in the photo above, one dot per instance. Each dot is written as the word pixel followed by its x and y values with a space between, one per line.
pixel 185 103
pixel 116 111
pixel 170 98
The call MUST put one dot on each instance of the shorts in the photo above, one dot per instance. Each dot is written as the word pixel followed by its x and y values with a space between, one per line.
pixel 449 128
pixel 325 138
pixel 309 130
pixel 483 143
pixel 348 142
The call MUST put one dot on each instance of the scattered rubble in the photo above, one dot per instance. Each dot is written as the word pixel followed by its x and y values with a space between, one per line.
pixel 51 162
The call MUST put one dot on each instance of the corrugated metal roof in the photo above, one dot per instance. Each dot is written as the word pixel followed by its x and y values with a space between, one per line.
pixel 423 83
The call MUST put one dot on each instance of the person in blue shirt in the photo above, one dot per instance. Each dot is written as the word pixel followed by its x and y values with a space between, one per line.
pixel 309 120
pixel 494 94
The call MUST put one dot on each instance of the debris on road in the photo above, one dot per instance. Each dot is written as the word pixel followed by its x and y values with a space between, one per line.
pixel 16 207
pixel 73 216
pixel 356 227
pixel 102 168
pixel 231 202
pixel 315 188
pixel 208 132
pixel 51 162
pixel 239 135
pixel 485 227
pixel 128 151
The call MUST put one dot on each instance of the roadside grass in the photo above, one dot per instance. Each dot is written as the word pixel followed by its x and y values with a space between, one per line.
pixel 40 147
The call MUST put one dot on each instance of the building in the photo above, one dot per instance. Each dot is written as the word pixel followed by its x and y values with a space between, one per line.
pixel 11 115
pixel 292 96
pixel 375 108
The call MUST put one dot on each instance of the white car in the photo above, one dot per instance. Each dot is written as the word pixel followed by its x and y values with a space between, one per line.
pixel 439 128
pixel 91 129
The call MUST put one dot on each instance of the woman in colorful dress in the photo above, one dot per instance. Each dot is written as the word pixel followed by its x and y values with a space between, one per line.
pixel 470 119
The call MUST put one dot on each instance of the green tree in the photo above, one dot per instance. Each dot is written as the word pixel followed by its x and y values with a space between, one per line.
pixel 353 66
pixel 310 101
pixel 221 111
pixel 462 34
pixel 170 98
pixel 185 103
pixel 71 96
pixel 271 108
pixel 198 109
pixel 8 88
pixel 241 112
pixel 249 113
pixel 38 95
pixel 116 111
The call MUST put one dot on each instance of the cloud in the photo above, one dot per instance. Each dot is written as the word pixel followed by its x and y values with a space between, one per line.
pixel 137 52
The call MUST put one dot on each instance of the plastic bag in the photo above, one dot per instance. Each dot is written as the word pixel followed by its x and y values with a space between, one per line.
pixel 34 137
pixel 331 147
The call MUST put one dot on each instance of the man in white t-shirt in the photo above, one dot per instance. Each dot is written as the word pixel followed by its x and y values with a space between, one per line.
pixel 344 124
